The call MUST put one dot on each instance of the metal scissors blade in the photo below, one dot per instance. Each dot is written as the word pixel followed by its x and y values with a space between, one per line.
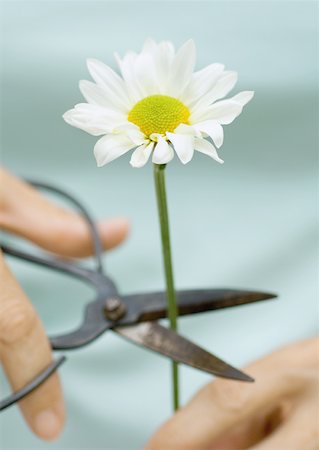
pixel 153 306
pixel 168 343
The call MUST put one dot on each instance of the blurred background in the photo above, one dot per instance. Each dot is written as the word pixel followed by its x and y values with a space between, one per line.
pixel 251 223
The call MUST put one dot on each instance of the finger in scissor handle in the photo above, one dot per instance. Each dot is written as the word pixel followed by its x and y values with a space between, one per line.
pixel 32 385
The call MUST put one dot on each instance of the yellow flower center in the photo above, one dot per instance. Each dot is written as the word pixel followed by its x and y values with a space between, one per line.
pixel 158 114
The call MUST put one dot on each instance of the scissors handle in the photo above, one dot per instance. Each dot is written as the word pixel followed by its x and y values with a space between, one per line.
pixel 32 385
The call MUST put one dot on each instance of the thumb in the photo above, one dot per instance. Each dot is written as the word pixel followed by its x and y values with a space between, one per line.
pixel 26 212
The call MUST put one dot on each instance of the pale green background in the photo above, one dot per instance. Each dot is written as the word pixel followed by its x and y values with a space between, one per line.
pixel 250 223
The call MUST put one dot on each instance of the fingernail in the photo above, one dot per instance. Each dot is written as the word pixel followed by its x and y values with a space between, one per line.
pixel 47 424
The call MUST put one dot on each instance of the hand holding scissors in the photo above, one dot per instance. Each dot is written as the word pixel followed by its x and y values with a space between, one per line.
pixel 27 213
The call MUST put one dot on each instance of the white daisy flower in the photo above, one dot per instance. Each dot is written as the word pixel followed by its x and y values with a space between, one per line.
pixel 157 105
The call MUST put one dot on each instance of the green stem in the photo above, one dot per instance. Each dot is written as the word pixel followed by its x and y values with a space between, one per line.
pixel 159 177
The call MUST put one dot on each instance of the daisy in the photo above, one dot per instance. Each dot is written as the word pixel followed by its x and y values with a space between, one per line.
pixel 156 105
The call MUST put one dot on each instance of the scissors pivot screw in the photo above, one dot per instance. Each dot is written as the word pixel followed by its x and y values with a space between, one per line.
pixel 114 309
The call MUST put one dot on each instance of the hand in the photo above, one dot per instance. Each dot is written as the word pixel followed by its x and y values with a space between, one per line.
pixel 24 347
pixel 280 411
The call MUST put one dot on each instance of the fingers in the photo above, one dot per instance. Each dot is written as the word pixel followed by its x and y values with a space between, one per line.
pixel 224 405
pixel 253 430
pixel 24 352
pixel 216 411
pixel 299 431
pixel 24 211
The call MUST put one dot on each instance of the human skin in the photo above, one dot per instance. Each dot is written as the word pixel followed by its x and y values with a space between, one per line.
pixel 280 411
pixel 24 347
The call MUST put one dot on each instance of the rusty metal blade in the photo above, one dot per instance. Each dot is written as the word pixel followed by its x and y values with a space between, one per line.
pixel 153 305
pixel 165 341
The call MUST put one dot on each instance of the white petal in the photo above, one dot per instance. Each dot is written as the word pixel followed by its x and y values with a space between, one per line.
pixel 187 129
pixel 223 112
pixel 149 46
pixel 164 58
pixel 211 71
pixel 141 155
pixel 111 147
pixel 127 67
pixel 97 96
pixel 213 129
pixel 132 131
pixel 223 86
pixel 201 82
pixel 183 145
pixel 226 111
pixel 182 68
pixel 207 148
pixel 163 152
pixel 145 68
pixel 145 74
pixel 75 120
pixel 243 97
pixel 93 119
pixel 111 83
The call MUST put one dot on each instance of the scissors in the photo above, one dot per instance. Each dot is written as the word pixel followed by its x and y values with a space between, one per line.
pixel 134 317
